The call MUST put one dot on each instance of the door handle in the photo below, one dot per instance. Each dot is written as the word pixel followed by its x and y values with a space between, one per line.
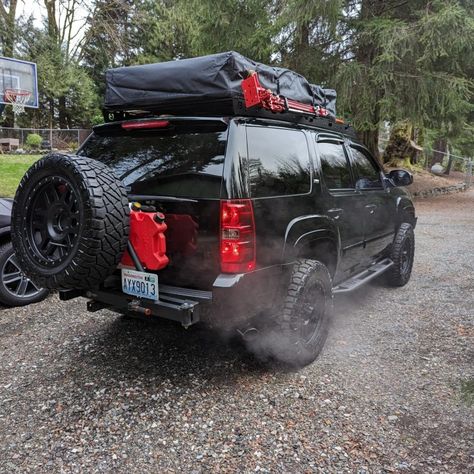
pixel 335 213
pixel 371 208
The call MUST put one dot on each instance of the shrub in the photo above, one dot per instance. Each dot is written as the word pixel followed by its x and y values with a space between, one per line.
pixel 97 119
pixel 33 140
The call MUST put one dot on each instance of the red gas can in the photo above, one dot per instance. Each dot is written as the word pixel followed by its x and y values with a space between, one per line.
pixel 148 239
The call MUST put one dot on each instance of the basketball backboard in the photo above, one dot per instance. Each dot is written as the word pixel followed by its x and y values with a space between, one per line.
pixel 17 75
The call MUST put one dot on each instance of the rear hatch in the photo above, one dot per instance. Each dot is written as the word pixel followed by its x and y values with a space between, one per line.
pixel 177 165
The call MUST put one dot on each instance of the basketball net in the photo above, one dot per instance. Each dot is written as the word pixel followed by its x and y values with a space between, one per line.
pixel 17 98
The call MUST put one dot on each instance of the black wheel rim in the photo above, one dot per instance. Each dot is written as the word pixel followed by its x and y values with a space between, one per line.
pixel 313 309
pixel 52 221
pixel 406 257
pixel 15 282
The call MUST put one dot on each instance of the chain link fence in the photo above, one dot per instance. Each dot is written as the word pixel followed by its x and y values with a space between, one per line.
pixel 454 166
pixel 12 139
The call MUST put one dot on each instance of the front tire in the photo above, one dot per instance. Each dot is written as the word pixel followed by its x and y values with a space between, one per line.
pixel 402 255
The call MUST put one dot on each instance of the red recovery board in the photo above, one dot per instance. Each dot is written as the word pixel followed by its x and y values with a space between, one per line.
pixel 148 239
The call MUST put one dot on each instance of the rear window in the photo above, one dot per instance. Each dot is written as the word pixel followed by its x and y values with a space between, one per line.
pixel 182 164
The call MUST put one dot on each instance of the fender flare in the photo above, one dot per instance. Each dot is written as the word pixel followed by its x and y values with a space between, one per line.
pixel 405 207
pixel 305 230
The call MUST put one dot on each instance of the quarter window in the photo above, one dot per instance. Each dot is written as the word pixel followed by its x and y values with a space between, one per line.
pixel 278 162
pixel 335 166
pixel 368 176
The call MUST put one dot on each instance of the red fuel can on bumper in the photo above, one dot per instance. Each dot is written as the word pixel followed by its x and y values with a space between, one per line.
pixel 148 239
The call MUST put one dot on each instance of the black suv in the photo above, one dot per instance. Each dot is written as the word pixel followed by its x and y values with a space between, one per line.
pixel 266 220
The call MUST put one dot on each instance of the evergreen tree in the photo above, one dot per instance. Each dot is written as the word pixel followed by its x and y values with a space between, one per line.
pixel 408 63
pixel 67 96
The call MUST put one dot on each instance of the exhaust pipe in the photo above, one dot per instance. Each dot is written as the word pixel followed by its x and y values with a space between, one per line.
pixel 249 334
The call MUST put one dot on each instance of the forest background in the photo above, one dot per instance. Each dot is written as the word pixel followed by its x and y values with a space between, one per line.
pixel 401 68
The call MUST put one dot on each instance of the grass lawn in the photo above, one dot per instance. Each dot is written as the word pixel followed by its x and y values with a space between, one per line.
pixel 12 169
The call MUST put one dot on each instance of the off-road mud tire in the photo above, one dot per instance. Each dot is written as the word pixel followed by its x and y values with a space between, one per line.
pixel 292 339
pixel 402 254
pixel 96 223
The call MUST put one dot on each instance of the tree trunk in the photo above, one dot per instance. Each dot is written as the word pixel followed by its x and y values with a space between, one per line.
pixel 8 35
pixel 53 30
pixel 365 55
pixel 297 59
pixel 450 163
pixel 370 138
pixel 401 149
pixel 62 112
pixel 7 41
pixel 439 150
pixel 51 113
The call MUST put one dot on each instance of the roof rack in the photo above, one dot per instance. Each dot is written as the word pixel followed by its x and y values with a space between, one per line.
pixel 257 102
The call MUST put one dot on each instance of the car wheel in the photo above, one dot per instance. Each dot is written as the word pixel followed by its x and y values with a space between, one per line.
pixel 70 222
pixel 15 288
pixel 402 254
pixel 299 329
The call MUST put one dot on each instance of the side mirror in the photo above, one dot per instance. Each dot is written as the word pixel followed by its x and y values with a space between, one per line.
pixel 400 177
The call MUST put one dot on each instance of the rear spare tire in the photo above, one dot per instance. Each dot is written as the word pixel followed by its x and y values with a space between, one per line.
pixel 70 222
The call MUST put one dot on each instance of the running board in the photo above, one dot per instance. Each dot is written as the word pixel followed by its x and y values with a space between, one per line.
pixel 365 276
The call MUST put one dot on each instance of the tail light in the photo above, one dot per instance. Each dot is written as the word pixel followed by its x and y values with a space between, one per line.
pixel 237 236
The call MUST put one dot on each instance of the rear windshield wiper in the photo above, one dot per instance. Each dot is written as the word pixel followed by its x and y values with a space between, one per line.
pixel 151 197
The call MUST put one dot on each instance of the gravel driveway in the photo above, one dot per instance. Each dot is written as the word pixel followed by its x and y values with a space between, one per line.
pixel 95 392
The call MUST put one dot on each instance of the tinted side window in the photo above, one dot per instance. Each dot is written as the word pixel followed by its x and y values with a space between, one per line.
pixel 368 176
pixel 335 166
pixel 278 162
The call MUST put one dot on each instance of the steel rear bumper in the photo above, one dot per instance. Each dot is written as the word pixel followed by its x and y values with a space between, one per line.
pixel 182 305
pixel 239 295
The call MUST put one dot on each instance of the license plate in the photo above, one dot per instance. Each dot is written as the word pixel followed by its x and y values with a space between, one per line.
pixel 140 284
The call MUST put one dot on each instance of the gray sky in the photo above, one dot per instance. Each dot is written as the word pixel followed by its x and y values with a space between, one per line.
pixel 36 9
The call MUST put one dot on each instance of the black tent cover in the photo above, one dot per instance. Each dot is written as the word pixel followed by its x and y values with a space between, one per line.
pixel 205 85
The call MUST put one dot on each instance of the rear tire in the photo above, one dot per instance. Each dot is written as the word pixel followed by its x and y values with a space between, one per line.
pixel 402 254
pixel 70 222
pixel 301 327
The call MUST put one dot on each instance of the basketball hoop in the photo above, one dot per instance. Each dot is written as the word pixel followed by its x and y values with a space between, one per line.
pixel 17 98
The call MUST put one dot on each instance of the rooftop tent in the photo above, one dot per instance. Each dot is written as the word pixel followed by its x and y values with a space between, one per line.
pixel 206 85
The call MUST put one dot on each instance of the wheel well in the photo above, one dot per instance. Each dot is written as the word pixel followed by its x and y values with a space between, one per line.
pixel 323 250
pixel 407 215
pixel 4 239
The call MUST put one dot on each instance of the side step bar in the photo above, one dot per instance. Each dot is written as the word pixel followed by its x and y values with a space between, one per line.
pixel 363 277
